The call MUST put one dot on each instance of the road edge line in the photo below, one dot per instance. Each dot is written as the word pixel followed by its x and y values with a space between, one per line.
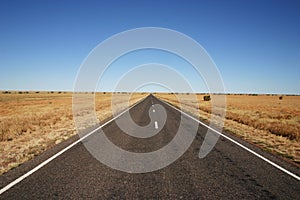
pixel 39 166
pixel 235 142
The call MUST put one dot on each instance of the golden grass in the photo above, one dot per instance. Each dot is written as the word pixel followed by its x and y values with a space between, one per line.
pixel 31 123
pixel 267 121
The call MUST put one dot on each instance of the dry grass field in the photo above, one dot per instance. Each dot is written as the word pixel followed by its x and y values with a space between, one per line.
pixel 32 122
pixel 267 121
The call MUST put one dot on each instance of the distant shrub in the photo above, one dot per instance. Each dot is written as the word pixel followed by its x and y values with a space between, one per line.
pixel 281 97
pixel 206 98
pixel 20 92
pixel 37 92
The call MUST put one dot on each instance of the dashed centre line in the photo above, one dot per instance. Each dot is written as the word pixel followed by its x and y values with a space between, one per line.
pixel 156 125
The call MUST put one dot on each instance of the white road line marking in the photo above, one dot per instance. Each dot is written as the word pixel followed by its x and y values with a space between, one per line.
pixel 156 125
pixel 7 187
pixel 153 110
pixel 239 144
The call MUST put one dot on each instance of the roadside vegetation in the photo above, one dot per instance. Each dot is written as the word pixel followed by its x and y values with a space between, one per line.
pixel 269 121
pixel 32 122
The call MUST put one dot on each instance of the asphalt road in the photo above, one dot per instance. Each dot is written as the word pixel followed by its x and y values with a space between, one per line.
pixel 228 172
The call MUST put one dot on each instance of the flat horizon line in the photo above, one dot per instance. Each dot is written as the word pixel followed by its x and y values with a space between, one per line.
pixel 126 92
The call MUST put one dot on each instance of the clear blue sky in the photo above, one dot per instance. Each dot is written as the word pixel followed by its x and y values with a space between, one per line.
pixel 255 44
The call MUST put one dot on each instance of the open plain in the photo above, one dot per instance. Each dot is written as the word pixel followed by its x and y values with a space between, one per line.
pixel 271 122
pixel 230 171
pixel 32 122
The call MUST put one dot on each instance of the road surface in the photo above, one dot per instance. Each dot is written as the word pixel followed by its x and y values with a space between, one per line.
pixel 228 172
